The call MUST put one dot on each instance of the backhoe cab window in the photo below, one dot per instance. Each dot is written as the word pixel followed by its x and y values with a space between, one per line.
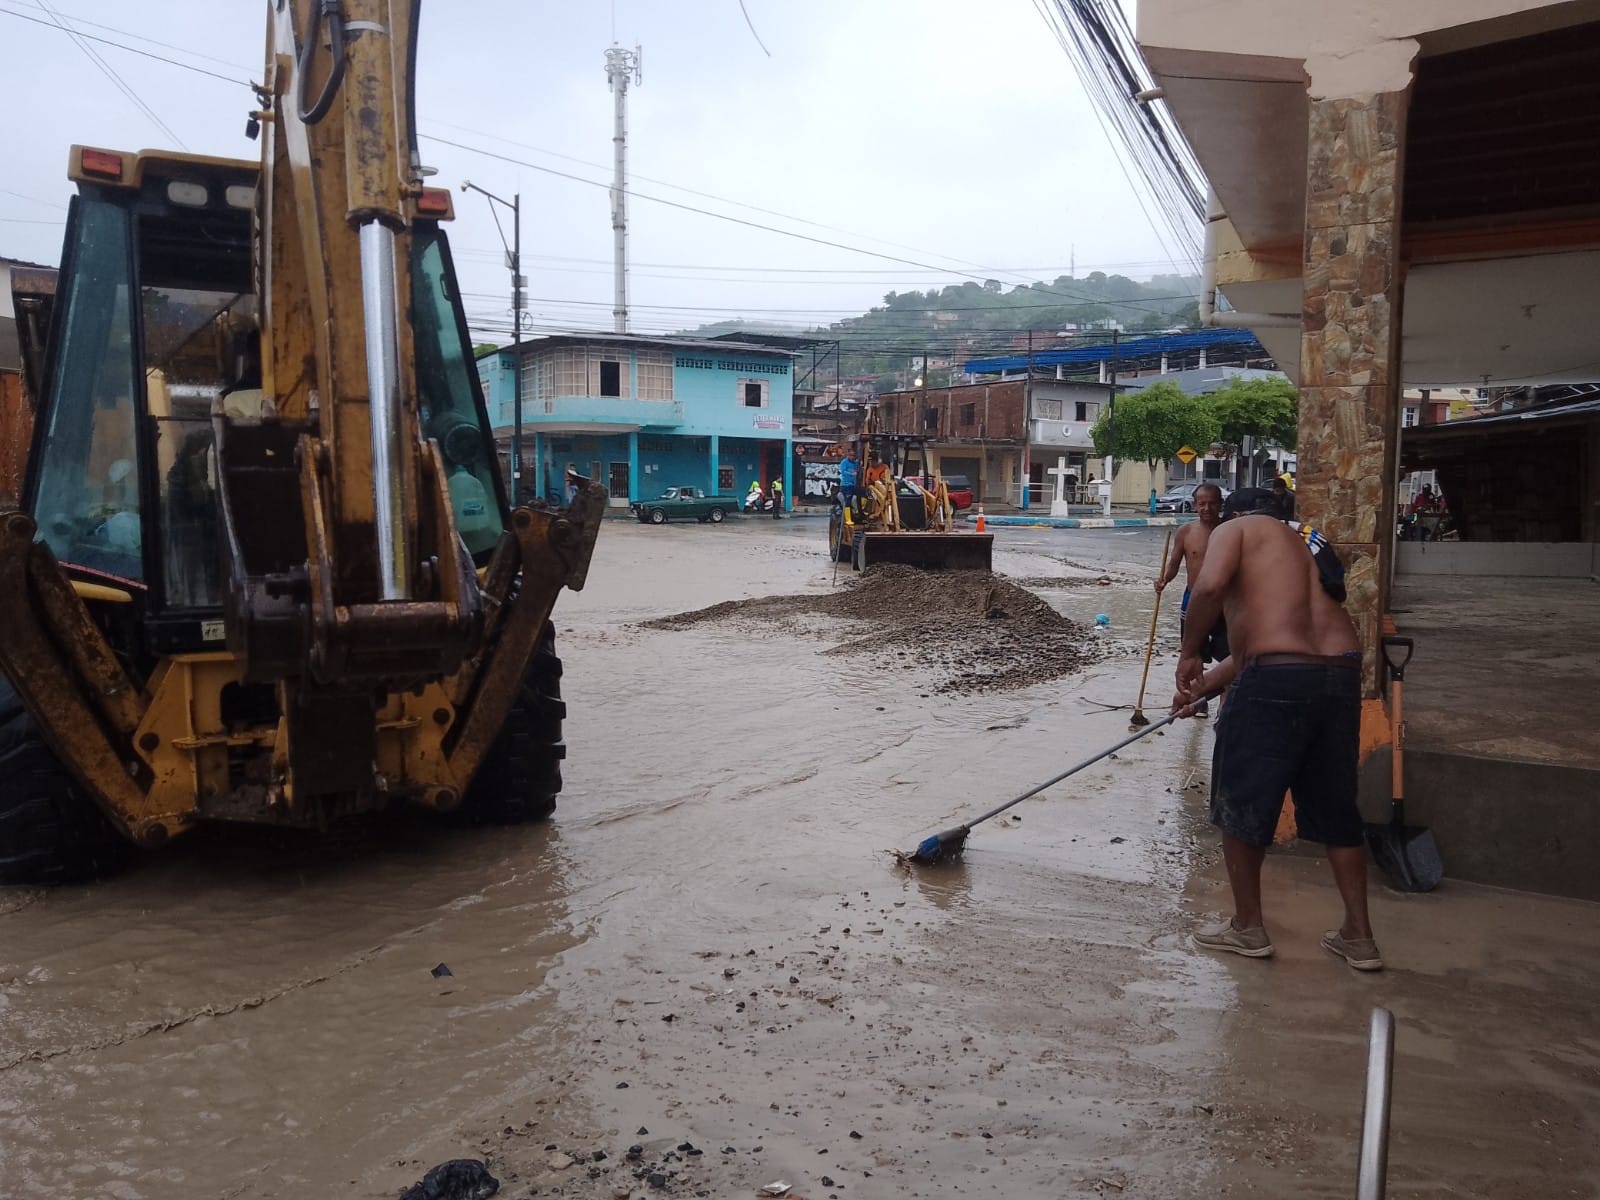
pixel 447 384
pixel 87 499
pixel 197 317
pixel 191 340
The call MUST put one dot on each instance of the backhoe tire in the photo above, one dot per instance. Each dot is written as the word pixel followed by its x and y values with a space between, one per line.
pixel 520 777
pixel 50 831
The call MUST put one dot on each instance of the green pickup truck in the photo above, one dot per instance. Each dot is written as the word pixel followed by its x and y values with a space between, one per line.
pixel 682 502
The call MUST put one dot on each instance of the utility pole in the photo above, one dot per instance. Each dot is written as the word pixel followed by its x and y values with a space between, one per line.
pixel 927 379
pixel 1111 417
pixel 622 68
pixel 514 261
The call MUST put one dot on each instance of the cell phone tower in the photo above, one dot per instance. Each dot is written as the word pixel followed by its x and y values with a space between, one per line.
pixel 622 68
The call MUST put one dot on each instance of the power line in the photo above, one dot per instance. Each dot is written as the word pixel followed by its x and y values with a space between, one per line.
pixel 139 37
pixel 33 199
pixel 107 70
pixel 819 275
pixel 1097 39
pixel 988 272
pixel 1004 308
pixel 110 73
pixel 79 34
pixel 459 251
pixel 689 191
pixel 804 237
pixel 80 37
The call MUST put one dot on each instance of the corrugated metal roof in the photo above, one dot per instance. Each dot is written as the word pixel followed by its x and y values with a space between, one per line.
pixel 1129 350
pixel 1467 426
pixel 710 345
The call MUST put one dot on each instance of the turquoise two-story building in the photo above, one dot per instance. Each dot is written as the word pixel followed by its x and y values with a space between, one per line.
pixel 642 414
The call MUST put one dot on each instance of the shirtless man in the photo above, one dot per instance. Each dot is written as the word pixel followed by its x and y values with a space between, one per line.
pixel 1189 552
pixel 1292 722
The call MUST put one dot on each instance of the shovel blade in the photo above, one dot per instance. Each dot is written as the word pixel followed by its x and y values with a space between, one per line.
pixel 1407 854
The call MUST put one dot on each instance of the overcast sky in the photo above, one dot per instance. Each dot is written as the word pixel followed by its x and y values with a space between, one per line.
pixel 947 132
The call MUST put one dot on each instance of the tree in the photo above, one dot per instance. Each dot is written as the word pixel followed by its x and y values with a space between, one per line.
pixel 1153 424
pixel 1267 410
pixel 479 349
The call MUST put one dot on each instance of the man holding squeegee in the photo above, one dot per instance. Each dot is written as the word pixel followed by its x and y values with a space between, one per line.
pixel 1293 717
pixel 1189 552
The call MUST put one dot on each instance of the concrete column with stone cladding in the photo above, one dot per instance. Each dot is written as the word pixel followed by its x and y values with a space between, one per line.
pixel 1350 341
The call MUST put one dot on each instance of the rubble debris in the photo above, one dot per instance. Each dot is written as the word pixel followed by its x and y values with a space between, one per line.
pixel 458 1179
pixel 935 618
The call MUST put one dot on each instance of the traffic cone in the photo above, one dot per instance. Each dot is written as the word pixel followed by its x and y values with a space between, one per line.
pixel 981 527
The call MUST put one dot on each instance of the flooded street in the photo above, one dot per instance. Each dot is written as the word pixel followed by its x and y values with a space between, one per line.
pixel 711 947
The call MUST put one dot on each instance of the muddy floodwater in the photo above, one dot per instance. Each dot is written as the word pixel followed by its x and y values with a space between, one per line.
pixel 708 974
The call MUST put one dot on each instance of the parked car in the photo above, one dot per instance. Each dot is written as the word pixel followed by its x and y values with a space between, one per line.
pixel 1181 498
pixel 959 487
pixel 683 502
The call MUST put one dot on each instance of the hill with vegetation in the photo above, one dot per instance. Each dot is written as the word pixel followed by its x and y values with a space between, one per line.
pixel 948 325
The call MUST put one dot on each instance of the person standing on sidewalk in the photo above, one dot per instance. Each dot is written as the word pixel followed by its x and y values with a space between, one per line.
pixel 1282 499
pixel 1189 552
pixel 777 497
pixel 1292 722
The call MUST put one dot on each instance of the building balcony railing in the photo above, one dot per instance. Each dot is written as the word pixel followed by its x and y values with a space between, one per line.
pixel 1069 435
pixel 623 412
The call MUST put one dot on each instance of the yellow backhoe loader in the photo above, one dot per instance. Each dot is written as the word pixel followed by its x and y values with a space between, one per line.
pixel 906 519
pixel 265 569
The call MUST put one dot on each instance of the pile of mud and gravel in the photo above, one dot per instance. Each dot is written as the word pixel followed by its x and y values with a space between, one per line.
pixel 976 629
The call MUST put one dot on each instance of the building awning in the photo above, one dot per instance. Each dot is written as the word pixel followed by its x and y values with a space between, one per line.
pixel 1127 352
pixel 1422 446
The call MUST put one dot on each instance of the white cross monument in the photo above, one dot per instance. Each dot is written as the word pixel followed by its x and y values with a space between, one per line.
pixel 1059 506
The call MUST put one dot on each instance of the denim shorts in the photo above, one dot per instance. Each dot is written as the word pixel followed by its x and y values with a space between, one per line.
pixel 1289 728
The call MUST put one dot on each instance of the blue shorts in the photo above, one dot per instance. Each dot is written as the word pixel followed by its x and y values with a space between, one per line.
pixel 1289 728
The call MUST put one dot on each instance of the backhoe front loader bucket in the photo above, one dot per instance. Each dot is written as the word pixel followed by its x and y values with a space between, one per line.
pixel 929 551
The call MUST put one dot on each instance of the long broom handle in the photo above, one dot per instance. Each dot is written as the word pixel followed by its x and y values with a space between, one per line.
pixel 1150 647
pixel 1088 762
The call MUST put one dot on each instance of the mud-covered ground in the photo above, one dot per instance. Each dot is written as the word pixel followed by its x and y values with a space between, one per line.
pixel 710 956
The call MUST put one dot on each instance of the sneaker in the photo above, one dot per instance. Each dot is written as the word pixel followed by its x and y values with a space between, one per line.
pixel 1252 943
pixel 1360 953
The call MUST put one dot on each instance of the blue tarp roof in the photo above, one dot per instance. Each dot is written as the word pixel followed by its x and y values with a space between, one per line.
pixel 1127 350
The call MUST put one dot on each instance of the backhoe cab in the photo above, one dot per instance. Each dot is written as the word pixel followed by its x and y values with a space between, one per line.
pixel 265 568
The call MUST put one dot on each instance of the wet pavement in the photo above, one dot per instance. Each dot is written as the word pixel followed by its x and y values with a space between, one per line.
pixel 710 955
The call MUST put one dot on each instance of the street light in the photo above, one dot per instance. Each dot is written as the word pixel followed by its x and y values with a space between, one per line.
pixel 514 260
